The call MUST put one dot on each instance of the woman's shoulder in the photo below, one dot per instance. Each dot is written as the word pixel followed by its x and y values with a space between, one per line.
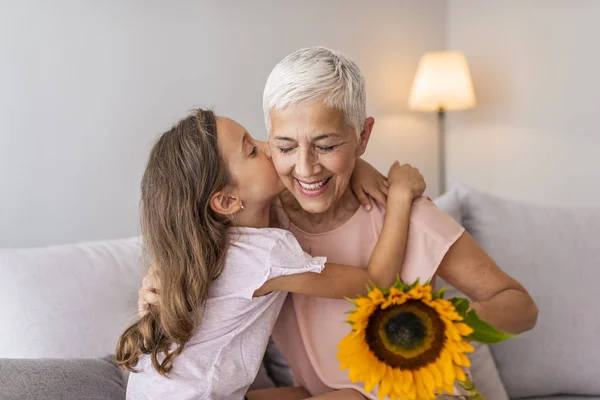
pixel 426 216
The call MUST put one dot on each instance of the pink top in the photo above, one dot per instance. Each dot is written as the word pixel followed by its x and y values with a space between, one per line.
pixel 309 329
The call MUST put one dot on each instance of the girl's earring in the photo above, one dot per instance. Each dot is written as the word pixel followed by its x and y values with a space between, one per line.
pixel 242 206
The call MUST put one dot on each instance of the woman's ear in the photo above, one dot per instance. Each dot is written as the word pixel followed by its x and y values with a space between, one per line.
pixel 224 203
pixel 365 135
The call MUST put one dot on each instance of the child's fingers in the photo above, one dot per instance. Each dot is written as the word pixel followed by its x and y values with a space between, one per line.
pixel 364 199
pixel 384 186
pixel 380 197
pixel 385 181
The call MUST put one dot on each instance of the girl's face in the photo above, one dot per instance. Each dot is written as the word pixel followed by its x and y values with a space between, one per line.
pixel 254 177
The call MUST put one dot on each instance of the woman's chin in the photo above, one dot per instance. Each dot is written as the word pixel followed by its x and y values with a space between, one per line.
pixel 313 205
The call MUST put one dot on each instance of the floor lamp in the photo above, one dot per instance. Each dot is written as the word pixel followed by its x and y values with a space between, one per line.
pixel 442 83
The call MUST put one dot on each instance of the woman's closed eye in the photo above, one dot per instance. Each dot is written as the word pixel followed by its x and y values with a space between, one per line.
pixel 326 149
pixel 285 150
pixel 323 149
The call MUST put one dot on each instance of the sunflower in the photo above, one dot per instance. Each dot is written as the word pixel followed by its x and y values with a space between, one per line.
pixel 409 341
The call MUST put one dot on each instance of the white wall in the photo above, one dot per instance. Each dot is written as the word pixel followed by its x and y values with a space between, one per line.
pixel 535 134
pixel 86 86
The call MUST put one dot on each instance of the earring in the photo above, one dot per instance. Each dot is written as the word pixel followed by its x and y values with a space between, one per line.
pixel 242 206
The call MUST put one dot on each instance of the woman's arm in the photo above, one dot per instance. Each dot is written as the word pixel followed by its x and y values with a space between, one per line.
pixel 339 281
pixel 497 298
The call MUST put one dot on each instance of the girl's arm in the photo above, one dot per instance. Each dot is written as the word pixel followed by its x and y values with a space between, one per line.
pixel 339 281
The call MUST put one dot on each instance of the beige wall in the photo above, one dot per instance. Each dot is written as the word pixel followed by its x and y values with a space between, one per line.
pixel 86 86
pixel 535 135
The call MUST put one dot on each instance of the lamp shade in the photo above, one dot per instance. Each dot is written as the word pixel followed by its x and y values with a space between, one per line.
pixel 443 81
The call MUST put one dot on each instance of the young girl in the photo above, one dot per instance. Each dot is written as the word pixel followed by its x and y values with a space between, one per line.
pixel 206 202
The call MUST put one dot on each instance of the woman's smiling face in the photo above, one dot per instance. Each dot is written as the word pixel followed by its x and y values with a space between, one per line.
pixel 314 151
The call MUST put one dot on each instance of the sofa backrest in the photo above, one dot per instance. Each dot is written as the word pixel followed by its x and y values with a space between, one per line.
pixel 555 254
pixel 68 301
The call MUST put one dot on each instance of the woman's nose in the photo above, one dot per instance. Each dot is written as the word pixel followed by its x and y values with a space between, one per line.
pixel 306 164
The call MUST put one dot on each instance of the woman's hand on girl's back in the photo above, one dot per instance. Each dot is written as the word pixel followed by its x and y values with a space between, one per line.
pixel 148 293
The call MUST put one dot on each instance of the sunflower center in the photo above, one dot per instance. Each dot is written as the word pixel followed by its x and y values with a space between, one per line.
pixel 405 329
pixel 408 336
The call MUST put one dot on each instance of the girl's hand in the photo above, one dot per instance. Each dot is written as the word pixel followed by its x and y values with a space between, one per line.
pixel 406 178
pixel 367 181
pixel 148 293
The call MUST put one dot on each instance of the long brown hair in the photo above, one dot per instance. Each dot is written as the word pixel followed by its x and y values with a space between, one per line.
pixel 183 237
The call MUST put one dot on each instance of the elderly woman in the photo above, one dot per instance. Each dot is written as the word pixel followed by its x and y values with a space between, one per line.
pixel 315 112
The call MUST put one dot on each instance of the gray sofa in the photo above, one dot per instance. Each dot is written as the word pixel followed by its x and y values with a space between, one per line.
pixel 62 308
pixel 555 254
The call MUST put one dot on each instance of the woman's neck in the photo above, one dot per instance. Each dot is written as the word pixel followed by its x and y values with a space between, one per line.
pixel 342 211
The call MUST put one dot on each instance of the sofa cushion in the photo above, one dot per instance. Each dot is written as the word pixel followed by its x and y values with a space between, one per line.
pixel 554 253
pixel 75 300
pixel 563 397
pixel 68 301
pixel 74 379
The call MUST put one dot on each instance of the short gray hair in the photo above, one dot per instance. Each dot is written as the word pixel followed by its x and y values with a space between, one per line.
pixel 317 73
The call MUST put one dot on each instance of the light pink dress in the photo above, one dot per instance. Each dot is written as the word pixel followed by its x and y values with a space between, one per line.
pixel 309 329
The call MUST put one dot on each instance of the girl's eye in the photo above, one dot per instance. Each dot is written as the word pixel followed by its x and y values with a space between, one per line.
pixel 285 150
pixel 253 153
pixel 326 149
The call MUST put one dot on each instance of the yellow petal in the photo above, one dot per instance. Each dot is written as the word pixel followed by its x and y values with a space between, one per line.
pixel 412 393
pixel 460 374
pixel 414 293
pixel 465 362
pixel 355 375
pixel 386 383
pixel 427 379
pixel 397 386
pixel 464 329
pixel 466 347
pixel 449 388
pixel 363 301
pixel 446 366
pixel 455 356
pixel 421 391
pixel 370 383
pixel 376 296
pixel 451 331
pixel 407 381
pixel 437 376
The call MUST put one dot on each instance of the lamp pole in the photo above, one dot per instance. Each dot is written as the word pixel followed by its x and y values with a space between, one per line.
pixel 441 116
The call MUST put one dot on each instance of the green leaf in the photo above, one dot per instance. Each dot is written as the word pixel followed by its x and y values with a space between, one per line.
pixel 439 294
pixel 471 390
pixel 461 304
pixel 484 332
pixel 415 283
